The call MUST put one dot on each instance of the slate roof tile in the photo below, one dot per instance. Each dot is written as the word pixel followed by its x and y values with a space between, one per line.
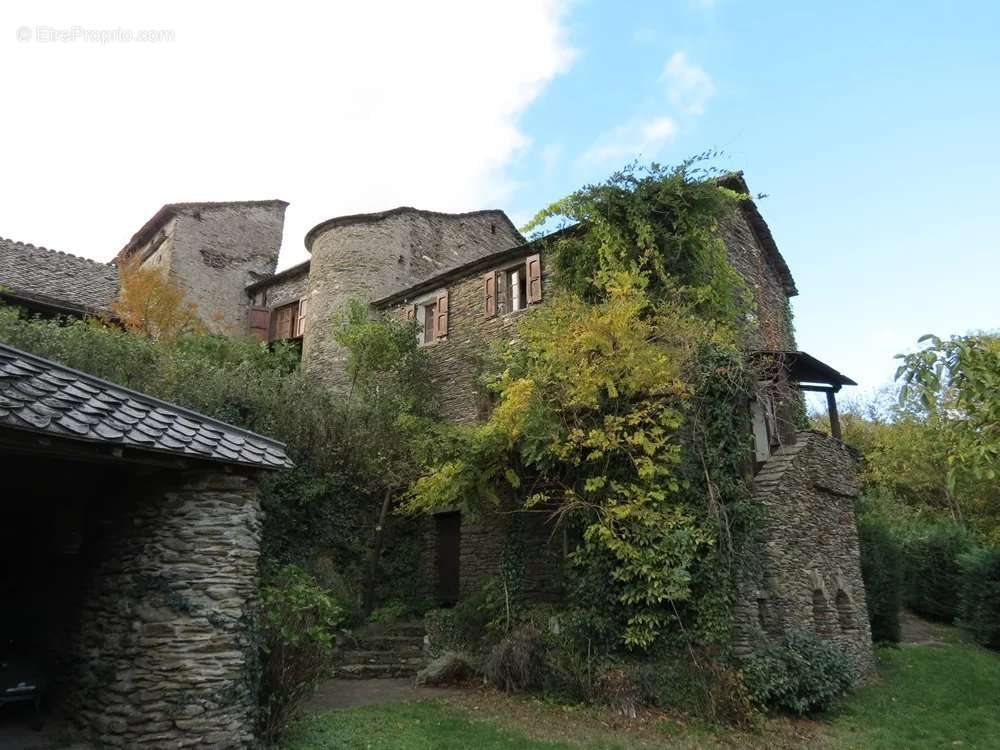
pixel 51 276
pixel 40 395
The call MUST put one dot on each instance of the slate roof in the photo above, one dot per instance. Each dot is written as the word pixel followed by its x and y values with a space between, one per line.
pixel 38 395
pixel 56 278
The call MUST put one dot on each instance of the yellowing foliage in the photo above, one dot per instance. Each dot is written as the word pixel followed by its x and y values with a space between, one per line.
pixel 152 304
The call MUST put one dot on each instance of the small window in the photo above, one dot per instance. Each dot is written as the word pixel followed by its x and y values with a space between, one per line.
pixel 428 313
pixel 517 289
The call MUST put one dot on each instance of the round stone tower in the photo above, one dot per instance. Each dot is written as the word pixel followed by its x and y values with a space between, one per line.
pixel 369 256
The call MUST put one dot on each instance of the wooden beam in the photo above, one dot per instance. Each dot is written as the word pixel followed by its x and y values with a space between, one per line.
pixel 831 405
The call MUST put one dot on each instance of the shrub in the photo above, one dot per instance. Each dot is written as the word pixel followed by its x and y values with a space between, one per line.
pixel 516 663
pixel 618 688
pixel 297 623
pixel 701 684
pixel 932 573
pixel 882 571
pixel 390 612
pixel 979 601
pixel 801 674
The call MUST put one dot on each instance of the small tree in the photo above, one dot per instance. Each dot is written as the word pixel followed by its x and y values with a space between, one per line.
pixel 153 304
pixel 298 635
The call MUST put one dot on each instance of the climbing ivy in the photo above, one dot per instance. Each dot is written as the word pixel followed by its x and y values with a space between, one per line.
pixel 621 405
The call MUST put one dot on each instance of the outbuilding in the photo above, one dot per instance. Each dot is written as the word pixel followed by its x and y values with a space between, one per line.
pixel 129 544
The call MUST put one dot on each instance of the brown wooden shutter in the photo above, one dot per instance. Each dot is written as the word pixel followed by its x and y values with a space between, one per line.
pixel 260 322
pixel 490 293
pixel 284 323
pixel 534 264
pixel 300 319
pixel 441 315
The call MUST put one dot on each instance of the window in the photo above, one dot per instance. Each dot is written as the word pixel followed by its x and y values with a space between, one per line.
pixel 513 288
pixel 431 316
pixel 283 321
pixel 427 317
pixel 517 289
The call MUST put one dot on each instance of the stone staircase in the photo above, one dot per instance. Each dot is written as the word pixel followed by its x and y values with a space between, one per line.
pixel 381 650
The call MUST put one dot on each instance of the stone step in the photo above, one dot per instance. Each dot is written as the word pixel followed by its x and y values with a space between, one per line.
pixel 350 655
pixel 384 642
pixel 375 671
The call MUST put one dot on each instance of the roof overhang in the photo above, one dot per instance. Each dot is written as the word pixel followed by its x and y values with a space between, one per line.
pixel 804 369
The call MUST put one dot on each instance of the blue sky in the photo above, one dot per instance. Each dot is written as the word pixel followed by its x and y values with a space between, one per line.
pixel 872 127
pixel 874 131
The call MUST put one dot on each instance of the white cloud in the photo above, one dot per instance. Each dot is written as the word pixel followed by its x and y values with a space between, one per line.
pixel 688 87
pixel 335 107
pixel 638 137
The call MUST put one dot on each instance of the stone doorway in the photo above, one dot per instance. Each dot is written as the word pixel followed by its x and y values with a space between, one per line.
pixel 48 547
pixel 449 552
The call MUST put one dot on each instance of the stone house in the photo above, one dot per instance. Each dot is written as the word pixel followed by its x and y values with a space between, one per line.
pixel 465 278
pixel 128 559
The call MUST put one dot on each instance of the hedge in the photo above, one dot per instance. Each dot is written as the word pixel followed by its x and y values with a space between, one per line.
pixel 882 571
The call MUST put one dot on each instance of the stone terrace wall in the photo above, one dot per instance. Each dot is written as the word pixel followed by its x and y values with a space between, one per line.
pixel 751 261
pixel 163 651
pixel 372 256
pixel 810 577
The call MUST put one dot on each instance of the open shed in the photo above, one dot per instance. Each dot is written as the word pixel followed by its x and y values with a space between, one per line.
pixel 129 548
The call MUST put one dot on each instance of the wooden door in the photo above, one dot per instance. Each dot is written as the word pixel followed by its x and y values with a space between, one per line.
pixel 449 544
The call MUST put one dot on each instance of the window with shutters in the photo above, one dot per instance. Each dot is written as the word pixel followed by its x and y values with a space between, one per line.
pixel 512 288
pixel 431 315
pixel 288 321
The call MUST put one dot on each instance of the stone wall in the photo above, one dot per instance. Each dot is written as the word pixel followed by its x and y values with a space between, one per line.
pixel 283 290
pixel 484 537
pixel 374 255
pixel 753 263
pixel 220 250
pixel 456 360
pixel 809 574
pixel 165 630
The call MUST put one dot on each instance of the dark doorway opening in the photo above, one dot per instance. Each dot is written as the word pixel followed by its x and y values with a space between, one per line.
pixel 449 545
pixel 49 546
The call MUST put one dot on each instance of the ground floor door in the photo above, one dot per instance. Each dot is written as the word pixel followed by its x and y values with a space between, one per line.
pixel 449 543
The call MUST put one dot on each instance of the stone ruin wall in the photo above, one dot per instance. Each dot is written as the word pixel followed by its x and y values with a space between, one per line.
pixel 809 574
pixel 164 657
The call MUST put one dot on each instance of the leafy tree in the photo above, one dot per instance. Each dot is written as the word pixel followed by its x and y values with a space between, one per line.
pixel 957 384
pixel 153 304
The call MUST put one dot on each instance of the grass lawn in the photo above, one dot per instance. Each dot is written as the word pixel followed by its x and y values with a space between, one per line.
pixel 927 696
pixel 944 696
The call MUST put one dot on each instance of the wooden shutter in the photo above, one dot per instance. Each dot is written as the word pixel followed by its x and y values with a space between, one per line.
pixel 490 293
pixel 284 322
pixel 260 322
pixel 441 315
pixel 300 319
pixel 534 264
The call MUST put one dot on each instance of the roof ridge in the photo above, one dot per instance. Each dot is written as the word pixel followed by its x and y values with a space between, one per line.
pixel 374 216
pixel 32 246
